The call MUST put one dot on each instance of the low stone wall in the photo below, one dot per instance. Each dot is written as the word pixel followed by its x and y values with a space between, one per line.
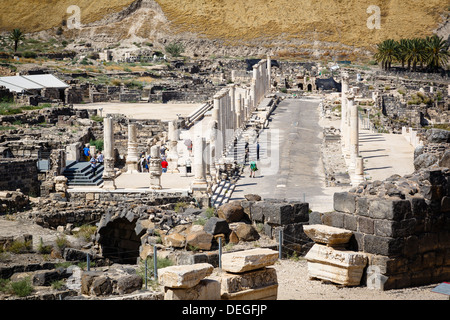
pixel 279 215
pixel 402 223
pixel 19 174
pixel 102 198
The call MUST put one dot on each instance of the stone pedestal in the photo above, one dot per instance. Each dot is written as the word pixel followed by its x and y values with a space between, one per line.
pixel 133 153
pixel 248 275
pixel 187 282
pixel 328 260
pixel 108 147
pixel 338 266
pixel 155 168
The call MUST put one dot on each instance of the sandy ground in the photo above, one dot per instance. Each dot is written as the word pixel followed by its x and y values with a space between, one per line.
pixel 294 284
pixel 164 112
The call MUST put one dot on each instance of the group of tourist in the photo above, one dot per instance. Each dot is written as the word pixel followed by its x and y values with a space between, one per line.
pixel 94 160
pixel 144 161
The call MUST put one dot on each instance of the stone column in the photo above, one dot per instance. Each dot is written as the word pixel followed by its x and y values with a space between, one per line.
pixel 133 154
pixel 354 130
pixel 344 123
pixel 155 168
pixel 199 183
pixel 269 73
pixel 238 112
pixel 172 154
pixel 108 147
pixel 359 171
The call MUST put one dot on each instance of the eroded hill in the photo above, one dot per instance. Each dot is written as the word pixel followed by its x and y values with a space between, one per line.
pixel 326 27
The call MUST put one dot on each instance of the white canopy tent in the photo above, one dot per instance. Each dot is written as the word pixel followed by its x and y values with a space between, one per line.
pixel 20 84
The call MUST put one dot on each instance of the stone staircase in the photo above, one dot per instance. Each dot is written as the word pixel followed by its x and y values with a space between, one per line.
pixel 222 193
pixel 81 174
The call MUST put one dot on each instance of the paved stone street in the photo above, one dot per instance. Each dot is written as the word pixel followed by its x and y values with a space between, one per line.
pixel 290 166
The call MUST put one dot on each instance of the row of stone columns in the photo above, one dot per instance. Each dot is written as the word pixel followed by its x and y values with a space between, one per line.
pixel 260 80
pixel 350 132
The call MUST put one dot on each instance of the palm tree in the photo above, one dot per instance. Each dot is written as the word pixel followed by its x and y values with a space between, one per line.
pixel 402 49
pixel 438 53
pixel 16 36
pixel 415 53
pixel 387 53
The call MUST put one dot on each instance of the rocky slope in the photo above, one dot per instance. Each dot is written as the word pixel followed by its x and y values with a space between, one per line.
pixel 226 27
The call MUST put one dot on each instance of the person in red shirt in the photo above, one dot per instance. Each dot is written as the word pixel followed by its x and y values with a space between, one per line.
pixel 164 165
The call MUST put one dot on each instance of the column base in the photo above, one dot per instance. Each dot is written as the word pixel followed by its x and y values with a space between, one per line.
pixel 109 184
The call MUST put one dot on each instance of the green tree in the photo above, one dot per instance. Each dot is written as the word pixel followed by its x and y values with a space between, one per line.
pixel 416 53
pixel 437 52
pixel 16 36
pixel 387 53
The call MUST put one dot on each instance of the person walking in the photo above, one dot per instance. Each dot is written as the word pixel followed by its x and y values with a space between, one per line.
pixel 253 169
pixel 188 166
pixel 93 163
pixel 257 150
pixel 164 165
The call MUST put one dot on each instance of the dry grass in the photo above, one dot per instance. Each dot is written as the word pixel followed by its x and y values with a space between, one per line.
pixel 243 22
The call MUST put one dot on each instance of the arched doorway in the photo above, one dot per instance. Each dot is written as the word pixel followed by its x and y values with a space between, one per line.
pixel 309 87
pixel 119 241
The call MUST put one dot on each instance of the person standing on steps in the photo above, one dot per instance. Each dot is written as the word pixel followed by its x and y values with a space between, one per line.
pixel 93 162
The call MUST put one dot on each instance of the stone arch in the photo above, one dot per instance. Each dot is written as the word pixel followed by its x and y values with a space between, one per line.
pixel 300 86
pixel 119 241
pixel 310 87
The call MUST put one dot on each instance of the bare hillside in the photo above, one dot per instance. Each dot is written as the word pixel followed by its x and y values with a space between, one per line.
pixel 322 28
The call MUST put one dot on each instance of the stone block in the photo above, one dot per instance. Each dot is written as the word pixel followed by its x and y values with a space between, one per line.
pixel 333 219
pixel 231 283
pixel 184 276
pixel 366 225
pixel 315 218
pixel 206 289
pixel 350 222
pixel 175 240
pixel 344 202
pixel 264 293
pixel 385 246
pixel 301 211
pixel 231 212
pixel 337 266
pixel 362 206
pixel 200 240
pixel 257 211
pixel 328 235
pixel 390 209
pixel 216 225
pixel 247 260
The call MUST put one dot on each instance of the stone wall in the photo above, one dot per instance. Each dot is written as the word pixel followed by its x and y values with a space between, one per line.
pixel 19 174
pixel 402 223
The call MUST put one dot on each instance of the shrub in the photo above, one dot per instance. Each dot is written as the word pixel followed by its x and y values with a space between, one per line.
pixel 62 242
pixel 174 49
pixel 97 143
pixel 22 288
pixel 160 263
pixel 44 249
pixel 20 247
pixel 86 231
pixel 29 54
